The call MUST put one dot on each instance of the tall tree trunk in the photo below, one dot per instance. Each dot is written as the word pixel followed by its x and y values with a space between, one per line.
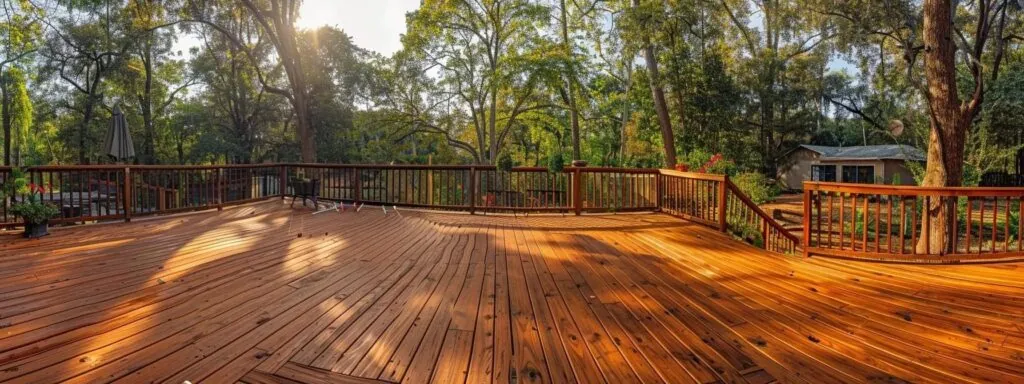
pixel 5 105
pixel 660 105
pixel 574 113
pixel 83 129
pixel 146 104
pixel 949 124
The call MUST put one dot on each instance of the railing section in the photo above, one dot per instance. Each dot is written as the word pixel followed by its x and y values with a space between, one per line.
pixel 485 188
pixel 112 192
pixel 893 222
pixel 118 192
pixel 715 201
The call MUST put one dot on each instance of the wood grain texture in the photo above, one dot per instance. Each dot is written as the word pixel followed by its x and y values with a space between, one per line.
pixel 265 294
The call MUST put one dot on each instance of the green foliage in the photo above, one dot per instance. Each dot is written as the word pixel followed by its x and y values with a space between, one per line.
pixel 34 212
pixel 556 163
pixel 697 158
pixel 477 79
pixel 756 186
pixel 505 162
pixel 747 232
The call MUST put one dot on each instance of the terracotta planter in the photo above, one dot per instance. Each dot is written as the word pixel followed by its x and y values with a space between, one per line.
pixel 579 163
pixel 35 231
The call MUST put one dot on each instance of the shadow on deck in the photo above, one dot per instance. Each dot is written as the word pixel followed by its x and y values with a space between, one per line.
pixel 262 293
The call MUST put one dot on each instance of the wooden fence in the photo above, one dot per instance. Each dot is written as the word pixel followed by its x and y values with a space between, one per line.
pixel 886 223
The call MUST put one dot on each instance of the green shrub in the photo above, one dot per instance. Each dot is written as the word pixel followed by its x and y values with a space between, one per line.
pixel 556 164
pixel 505 162
pixel 747 232
pixel 696 159
pixel 756 186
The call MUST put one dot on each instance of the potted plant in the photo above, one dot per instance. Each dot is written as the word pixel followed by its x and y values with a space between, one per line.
pixel 32 209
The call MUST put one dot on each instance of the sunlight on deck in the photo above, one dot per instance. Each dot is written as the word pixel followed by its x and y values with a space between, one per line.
pixel 262 293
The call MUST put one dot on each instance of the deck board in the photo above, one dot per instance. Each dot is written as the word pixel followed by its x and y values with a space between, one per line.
pixel 262 293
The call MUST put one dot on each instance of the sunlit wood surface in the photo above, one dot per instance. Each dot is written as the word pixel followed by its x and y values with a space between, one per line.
pixel 263 294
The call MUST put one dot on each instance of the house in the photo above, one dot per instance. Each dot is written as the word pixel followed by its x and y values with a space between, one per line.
pixel 871 164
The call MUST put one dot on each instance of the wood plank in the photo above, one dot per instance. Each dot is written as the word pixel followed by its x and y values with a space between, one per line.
pixel 440 297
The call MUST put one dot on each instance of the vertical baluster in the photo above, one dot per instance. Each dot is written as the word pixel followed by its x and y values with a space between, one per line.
pixel 967 224
pixel 995 226
pixel 1006 226
pixel 913 225
pixel 1020 223
pixel 867 218
pixel 842 224
pixel 981 226
pixel 830 209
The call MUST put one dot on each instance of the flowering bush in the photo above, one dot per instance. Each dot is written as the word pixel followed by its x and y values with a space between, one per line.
pixel 704 162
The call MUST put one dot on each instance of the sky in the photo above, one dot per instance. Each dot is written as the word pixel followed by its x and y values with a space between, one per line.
pixel 376 25
pixel 373 24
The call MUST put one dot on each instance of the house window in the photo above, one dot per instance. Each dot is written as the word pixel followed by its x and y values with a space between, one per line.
pixel 823 173
pixel 863 174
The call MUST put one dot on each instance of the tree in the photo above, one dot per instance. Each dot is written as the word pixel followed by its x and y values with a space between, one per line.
pixel 19 30
pixel 276 20
pixel 657 90
pixel 951 117
pixel 83 49
pixel 17 114
pixel 491 64
pixel 152 76
pixel 235 92
pixel 784 35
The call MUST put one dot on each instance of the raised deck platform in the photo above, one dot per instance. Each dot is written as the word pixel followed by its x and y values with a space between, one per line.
pixel 262 293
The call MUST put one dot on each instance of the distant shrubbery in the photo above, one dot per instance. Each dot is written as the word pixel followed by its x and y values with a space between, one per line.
pixel 707 162
pixel 756 186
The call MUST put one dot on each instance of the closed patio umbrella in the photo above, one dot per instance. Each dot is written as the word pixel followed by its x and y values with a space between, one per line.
pixel 119 143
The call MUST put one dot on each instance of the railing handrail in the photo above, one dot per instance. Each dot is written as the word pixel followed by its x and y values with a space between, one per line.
pixel 912 190
pixel 116 167
pixel 324 165
pixel 693 175
pixel 759 212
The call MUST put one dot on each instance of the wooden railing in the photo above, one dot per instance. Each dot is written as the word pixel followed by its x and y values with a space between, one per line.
pixel 115 192
pixel 485 188
pixel 885 223
pixel 713 200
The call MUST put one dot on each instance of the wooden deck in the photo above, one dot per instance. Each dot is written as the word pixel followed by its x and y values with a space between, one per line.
pixel 262 293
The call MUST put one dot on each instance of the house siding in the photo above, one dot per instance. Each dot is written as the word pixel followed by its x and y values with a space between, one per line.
pixel 797 169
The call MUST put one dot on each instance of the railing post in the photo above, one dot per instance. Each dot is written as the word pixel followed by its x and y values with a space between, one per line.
pixel 282 180
pixel 657 190
pixel 357 174
pixel 807 221
pixel 577 192
pixel 220 188
pixel 127 194
pixel 472 190
pixel 723 224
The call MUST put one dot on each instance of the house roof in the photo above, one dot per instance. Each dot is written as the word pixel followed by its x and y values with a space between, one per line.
pixel 868 152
